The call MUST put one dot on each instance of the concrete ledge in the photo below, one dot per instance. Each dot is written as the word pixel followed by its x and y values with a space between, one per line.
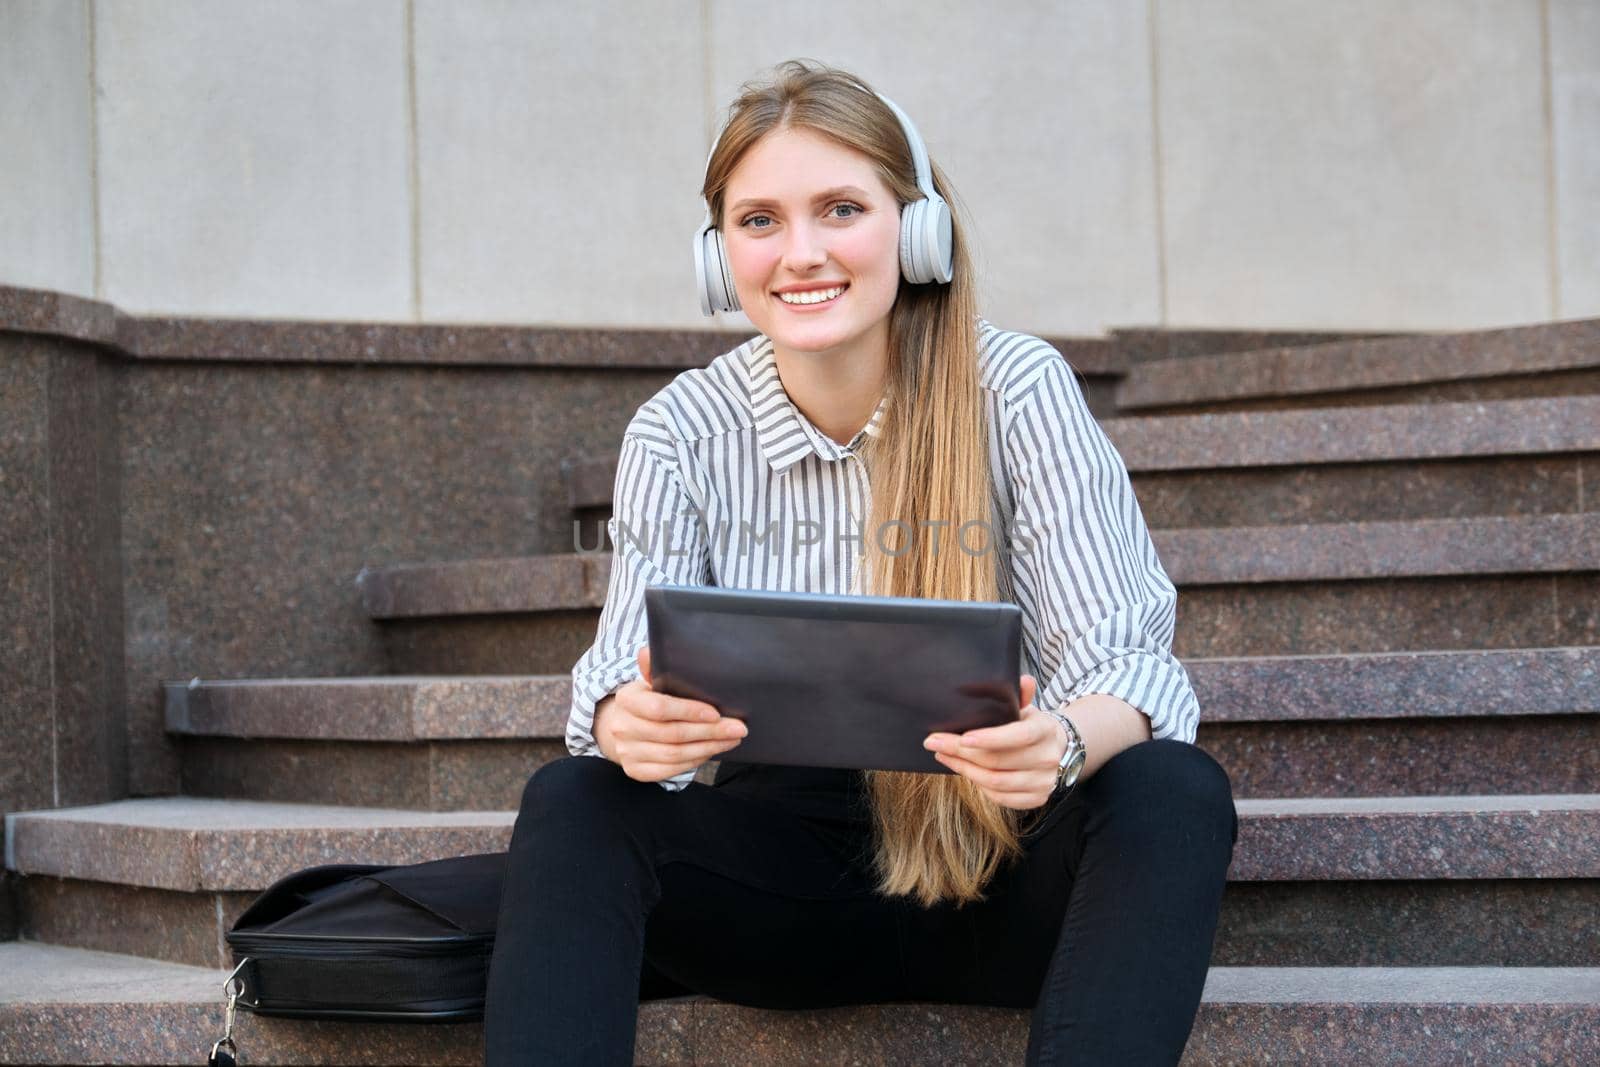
pixel 62 1006
pixel 256 341
pixel 194 844
pixel 1400 757
pixel 1379 434
pixel 1400 433
pixel 1526 922
pixel 1365 364
pixel 1494 683
pixel 1345 725
pixel 1322 838
pixel 1398 685
pixel 1150 344
pixel 449 775
pixel 565 581
pixel 56 314
pixel 393 708
pixel 1538 544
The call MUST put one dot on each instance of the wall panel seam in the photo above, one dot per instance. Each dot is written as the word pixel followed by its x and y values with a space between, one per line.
pixel 1158 184
pixel 413 168
pixel 706 70
pixel 89 7
pixel 51 365
pixel 1547 116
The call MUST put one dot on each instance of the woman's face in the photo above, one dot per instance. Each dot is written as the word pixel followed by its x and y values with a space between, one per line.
pixel 805 216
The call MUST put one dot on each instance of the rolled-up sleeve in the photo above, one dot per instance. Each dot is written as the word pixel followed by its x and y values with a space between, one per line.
pixel 657 539
pixel 1098 608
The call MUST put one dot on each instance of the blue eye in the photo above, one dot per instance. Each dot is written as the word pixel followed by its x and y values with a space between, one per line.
pixel 841 204
pixel 752 218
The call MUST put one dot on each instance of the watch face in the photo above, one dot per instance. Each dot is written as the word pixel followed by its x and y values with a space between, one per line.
pixel 1075 766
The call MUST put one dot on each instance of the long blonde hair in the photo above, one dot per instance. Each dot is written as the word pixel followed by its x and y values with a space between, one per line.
pixel 936 836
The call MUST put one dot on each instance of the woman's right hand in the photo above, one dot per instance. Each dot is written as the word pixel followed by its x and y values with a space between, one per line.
pixel 655 736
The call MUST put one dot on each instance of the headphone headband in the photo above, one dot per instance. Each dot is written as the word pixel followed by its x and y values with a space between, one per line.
pixel 919 151
pixel 926 243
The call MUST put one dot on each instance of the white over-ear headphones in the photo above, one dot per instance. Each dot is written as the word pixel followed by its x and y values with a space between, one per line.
pixel 925 241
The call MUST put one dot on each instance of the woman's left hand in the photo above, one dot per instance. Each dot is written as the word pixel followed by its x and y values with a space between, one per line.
pixel 1016 764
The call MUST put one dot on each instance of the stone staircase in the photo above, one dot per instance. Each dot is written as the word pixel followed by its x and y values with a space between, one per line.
pixel 1388 556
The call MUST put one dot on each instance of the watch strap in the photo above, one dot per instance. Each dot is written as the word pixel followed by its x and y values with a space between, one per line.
pixel 1075 746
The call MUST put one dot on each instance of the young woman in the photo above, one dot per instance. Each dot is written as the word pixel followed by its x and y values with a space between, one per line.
pixel 869 439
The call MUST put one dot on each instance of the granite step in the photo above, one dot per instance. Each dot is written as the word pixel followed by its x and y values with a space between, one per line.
pixel 1547 359
pixel 1314 881
pixel 1136 345
pixel 61 1006
pixel 1315 588
pixel 515 615
pixel 1426 585
pixel 165 877
pixel 432 743
pixel 1303 552
pixel 1371 725
pixel 1412 461
pixel 1403 724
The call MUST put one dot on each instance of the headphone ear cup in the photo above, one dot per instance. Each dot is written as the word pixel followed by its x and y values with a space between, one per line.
pixel 910 254
pixel 712 274
pixel 938 240
pixel 926 246
pixel 729 293
pixel 702 277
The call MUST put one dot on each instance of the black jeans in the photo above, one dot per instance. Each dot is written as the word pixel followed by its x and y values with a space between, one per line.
pixel 758 891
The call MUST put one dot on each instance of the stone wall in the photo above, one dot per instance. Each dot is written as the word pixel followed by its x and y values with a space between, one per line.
pixel 1304 164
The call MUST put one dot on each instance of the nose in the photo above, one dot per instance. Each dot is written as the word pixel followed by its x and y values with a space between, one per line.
pixel 805 249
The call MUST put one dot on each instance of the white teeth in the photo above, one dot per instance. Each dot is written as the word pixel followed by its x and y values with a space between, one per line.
pixel 816 296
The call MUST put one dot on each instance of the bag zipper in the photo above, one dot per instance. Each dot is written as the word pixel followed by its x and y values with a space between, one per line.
pixel 268 945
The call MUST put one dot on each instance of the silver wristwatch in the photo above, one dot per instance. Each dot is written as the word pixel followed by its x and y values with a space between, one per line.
pixel 1072 759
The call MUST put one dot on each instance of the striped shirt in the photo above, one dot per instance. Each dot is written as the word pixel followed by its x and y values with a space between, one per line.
pixel 722 481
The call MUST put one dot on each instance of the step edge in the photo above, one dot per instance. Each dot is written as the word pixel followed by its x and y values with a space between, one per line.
pixel 1582 983
pixel 1394 356
pixel 1418 814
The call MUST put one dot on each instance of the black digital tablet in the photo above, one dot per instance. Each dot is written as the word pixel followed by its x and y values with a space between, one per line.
pixel 825 680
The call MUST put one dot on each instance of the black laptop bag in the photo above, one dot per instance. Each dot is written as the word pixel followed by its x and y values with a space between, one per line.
pixel 355 941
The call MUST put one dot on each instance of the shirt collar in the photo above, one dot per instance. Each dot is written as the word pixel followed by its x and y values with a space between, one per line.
pixel 785 434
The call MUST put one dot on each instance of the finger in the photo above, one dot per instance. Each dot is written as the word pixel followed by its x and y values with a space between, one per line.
pixel 679 732
pixel 657 772
pixel 644 663
pixel 1023 798
pixel 1033 727
pixel 1005 779
pixel 1019 735
pixel 1030 689
pixel 681 756
pixel 663 708
pixel 1020 801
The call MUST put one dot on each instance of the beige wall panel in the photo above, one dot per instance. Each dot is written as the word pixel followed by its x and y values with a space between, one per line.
pixel 1040 113
pixel 253 158
pixel 46 166
pixel 1361 164
pixel 559 150
pixel 1575 102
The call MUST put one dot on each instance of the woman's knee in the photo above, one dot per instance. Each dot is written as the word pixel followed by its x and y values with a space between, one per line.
pixel 1173 781
pixel 573 786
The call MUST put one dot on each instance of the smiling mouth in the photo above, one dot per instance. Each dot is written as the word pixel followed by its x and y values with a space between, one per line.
pixel 811 297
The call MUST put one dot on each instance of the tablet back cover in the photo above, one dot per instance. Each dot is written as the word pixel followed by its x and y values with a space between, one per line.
pixel 824 680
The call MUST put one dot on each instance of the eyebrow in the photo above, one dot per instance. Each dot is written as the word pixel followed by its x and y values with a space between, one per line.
pixel 826 194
